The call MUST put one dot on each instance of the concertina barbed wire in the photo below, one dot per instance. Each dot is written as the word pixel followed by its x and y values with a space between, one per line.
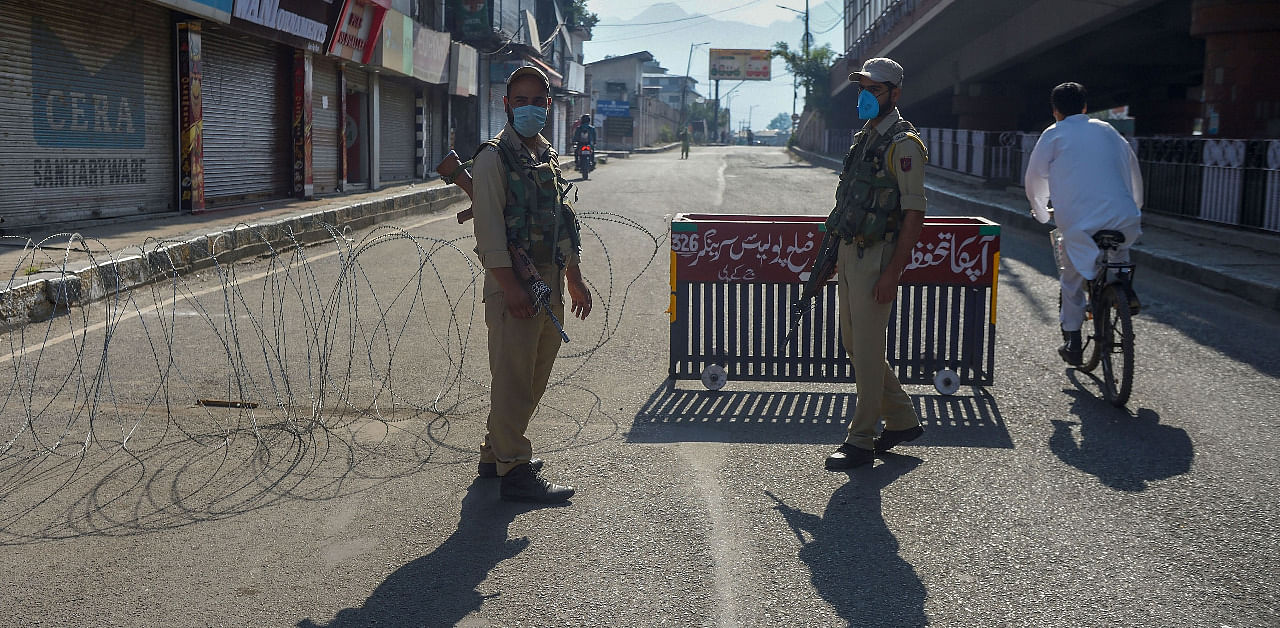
pixel 300 346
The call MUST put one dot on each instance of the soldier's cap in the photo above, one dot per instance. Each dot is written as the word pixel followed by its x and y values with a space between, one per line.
pixel 528 70
pixel 880 70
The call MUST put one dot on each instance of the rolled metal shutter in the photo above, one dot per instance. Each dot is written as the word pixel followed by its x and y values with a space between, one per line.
pixel 248 152
pixel 560 126
pixel 326 116
pixel 497 110
pixel 396 125
pixel 357 79
pixel 79 143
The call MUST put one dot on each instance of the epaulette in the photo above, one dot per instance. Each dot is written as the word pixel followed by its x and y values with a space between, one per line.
pixel 912 135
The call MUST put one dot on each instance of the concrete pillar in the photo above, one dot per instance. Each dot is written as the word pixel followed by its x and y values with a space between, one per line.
pixel 1242 51
pixel 375 129
pixel 988 106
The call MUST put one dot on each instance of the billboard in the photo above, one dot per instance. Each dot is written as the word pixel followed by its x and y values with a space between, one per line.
pixel 740 65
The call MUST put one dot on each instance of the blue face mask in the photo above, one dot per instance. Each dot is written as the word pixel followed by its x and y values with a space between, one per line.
pixel 868 106
pixel 528 120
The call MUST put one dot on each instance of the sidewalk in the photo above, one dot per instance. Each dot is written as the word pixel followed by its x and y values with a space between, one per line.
pixel 123 254
pixel 1242 263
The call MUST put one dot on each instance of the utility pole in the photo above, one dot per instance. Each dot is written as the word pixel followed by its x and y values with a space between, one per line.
pixel 804 43
pixel 715 116
pixel 684 116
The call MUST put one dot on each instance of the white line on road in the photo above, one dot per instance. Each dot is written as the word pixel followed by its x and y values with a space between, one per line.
pixel 719 200
pixel 706 460
pixel 171 301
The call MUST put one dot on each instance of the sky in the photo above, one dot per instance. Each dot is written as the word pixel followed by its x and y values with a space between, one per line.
pixel 628 26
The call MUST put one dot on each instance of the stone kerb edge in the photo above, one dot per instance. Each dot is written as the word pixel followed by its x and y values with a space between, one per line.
pixel 24 302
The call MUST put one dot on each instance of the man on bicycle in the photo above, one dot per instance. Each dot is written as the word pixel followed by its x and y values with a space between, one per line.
pixel 1092 175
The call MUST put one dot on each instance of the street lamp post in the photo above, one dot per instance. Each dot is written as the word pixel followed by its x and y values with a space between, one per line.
pixel 804 44
pixel 684 117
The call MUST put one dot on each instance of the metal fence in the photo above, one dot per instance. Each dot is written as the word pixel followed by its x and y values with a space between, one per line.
pixel 1234 182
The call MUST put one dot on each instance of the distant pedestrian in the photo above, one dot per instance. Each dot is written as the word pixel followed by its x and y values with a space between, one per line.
pixel 684 143
pixel 1093 178
pixel 879 213
pixel 520 214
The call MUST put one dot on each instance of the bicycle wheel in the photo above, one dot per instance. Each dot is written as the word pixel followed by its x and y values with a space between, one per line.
pixel 1092 343
pixel 1116 347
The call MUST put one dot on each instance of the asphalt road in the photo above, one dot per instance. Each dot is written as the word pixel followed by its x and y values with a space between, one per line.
pixel 348 496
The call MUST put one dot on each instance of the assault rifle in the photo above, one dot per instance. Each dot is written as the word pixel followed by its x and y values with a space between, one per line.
pixel 454 171
pixel 824 266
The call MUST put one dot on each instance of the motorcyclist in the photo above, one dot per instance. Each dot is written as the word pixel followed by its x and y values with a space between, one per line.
pixel 586 134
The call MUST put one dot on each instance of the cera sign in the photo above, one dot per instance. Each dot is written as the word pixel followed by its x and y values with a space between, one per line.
pixel 72 107
pixel 298 23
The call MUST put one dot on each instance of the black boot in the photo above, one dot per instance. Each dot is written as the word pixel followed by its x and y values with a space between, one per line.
pixel 1072 351
pixel 523 484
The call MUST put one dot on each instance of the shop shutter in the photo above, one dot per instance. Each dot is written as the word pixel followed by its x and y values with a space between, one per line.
pixel 326 116
pixel 248 152
pixel 497 110
pixel 87 104
pixel 396 125
pixel 357 79
pixel 560 127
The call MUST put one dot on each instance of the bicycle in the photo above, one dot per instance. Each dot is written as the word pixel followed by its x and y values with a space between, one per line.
pixel 1112 304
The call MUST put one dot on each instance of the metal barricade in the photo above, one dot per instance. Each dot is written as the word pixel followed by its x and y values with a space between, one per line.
pixel 734 278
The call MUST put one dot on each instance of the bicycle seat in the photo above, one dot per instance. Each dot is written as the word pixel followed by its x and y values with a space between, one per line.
pixel 1108 238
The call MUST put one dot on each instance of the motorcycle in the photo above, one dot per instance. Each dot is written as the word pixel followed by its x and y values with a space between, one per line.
pixel 586 159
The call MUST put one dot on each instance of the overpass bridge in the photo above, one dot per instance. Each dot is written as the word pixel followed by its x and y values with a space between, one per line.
pixel 1179 65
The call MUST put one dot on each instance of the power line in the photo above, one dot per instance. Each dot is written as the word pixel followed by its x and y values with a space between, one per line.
pixel 684 19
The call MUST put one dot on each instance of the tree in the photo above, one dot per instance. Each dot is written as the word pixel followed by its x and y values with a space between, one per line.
pixel 706 111
pixel 577 17
pixel 813 71
pixel 780 122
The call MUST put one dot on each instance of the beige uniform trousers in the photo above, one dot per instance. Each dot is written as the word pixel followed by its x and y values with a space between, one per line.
pixel 863 325
pixel 521 354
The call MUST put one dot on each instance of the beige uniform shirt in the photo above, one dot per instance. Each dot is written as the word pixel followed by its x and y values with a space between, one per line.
pixel 489 185
pixel 905 158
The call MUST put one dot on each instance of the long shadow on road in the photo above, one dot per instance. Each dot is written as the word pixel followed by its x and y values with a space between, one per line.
pixel 853 556
pixel 440 589
pixel 676 415
pixel 1125 452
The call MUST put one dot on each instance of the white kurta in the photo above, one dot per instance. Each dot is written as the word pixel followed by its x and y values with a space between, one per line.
pixel 1092 175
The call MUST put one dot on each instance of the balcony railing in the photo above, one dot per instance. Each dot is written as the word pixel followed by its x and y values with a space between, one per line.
pixel 1234 182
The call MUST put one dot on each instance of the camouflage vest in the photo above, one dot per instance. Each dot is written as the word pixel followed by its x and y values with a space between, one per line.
pixel 538 212
pixel 868 201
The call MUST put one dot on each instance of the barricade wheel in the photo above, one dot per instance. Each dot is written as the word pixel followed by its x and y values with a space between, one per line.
pixel 946 382
pixel 714 377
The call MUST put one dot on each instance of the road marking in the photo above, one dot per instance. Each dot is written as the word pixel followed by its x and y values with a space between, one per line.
pixel 706 460
pixel 137 313
pixel 719 200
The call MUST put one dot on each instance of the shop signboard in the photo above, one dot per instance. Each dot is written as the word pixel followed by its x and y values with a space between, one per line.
pixel 355 35
pixel 473 18
pixel 395 47
pixel 430 55
pixel 740 65
pixel 463 61
pixel 302 24
pixel 614 108
pixel 216 10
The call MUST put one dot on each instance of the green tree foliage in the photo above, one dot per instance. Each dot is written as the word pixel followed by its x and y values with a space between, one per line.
pixel 813 70
pixel 577 17
pixel 780 122
pixel 705 111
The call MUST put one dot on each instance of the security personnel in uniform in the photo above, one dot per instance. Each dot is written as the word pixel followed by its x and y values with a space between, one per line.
pixel 879 213
pixel 519 199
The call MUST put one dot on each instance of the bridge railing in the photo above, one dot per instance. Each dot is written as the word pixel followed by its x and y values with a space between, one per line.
pixel 1234 182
